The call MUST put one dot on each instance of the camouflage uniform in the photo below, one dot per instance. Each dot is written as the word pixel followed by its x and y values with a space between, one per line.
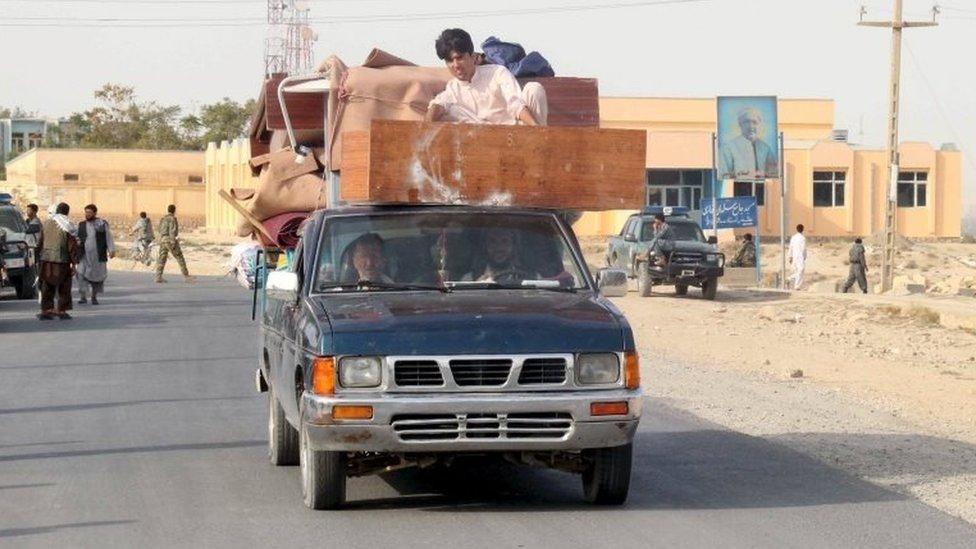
pixel 746 256
pixel 859 269
pixel 169 230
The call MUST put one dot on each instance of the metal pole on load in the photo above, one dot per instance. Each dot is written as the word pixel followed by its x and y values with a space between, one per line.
pixel 782 211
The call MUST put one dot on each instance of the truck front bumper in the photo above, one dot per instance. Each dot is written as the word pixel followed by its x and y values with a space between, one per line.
pixel 472 422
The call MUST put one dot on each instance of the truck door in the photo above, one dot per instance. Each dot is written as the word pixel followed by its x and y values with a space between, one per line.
pixel 291 351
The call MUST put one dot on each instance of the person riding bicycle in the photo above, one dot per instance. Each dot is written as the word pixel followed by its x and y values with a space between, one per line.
pixel 144 235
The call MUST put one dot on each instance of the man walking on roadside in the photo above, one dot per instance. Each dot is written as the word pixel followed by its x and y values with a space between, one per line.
pixel 169 232
pixel 859 267
pixel 143 231
pixel 97 247
pixel 57 244
pixel 798 256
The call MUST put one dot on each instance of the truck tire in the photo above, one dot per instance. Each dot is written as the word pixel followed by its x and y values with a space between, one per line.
pixel 709 287
pixel 681 289
pixel 323 476
pixel 644 281
pixel 606 480
pixel 282 437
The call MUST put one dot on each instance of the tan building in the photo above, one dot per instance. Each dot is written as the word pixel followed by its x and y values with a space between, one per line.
pixel 227 168
pixel 121 183
pixel 834 188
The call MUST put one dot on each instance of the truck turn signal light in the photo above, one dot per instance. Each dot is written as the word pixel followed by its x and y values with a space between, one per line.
pixel 323 375
pixel 631 370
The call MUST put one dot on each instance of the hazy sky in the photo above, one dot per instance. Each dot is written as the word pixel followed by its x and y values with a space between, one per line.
pixel 790 48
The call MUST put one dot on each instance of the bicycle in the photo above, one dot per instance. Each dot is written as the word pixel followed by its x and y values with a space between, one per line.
pixel 143 252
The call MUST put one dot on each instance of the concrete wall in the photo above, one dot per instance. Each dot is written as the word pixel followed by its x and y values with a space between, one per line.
pixel 226 168
pixel 164 177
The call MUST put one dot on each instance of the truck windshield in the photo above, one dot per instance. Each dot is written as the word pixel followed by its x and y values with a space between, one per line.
pixel 681 231
pixel 459 251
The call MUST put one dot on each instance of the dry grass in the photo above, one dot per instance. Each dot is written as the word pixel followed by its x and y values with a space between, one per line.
pixel 922 314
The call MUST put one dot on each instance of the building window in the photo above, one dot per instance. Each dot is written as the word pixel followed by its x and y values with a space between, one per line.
pixel 912 189
pixel 750 188
pixel 18 142
pixel 676 187
pixel 131 178
pixel 828 189
pixel 35 140
pixel 195 179
pixel 69 177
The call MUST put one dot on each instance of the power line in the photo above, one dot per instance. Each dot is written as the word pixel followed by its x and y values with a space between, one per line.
pixel 226 22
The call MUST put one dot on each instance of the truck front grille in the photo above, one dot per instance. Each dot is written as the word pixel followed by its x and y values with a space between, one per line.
pixel 481 372
pixel 543 370
pixel 417 373
pixel 685 258
pixel 441 427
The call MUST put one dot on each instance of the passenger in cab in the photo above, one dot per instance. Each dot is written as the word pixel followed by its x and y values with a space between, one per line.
pixel 501 259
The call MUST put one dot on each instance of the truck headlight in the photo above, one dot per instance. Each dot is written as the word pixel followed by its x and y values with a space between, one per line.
pixel 597 368
pixel 717 259
pixel 360 371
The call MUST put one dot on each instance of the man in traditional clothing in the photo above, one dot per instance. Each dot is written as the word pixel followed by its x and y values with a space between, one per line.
pixel 57 244
pixel 169 232
pixel 97 247
pixel 746 256
pixel 798 256
pixel 483 94
pixel 746 155
pixel 859 267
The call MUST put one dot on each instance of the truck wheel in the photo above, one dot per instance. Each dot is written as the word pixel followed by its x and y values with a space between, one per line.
pixel 709 287
pixel 282 437
pixel 681 289
pixel 323 476
pixel 606 480
pixel 644 281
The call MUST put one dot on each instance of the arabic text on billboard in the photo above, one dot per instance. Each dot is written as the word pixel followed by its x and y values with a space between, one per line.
pixel 734 212
pixel 748 138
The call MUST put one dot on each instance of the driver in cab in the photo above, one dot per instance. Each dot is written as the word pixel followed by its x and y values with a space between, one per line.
pixel 367 260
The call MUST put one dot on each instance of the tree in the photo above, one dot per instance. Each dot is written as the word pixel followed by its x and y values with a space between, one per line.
pixel 224 120
pixel 16 112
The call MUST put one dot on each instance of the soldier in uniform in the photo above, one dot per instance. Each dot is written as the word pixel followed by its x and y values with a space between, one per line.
pixel 859 267
pixel 169 232
pixel 746 256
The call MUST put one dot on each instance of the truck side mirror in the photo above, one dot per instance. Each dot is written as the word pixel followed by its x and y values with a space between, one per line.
pixel 612 282
pixel 630 238
pixel 713 240
pixel 282 285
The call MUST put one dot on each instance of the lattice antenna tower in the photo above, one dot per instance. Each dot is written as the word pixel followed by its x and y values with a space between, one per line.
pixel 288 47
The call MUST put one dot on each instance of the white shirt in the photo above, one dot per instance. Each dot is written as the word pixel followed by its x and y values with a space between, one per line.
pixel 798 247
pixel 492 97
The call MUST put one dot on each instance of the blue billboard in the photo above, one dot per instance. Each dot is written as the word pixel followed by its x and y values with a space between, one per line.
pixel 739 211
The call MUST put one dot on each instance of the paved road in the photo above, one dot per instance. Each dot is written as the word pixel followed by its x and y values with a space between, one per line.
pixel 136 425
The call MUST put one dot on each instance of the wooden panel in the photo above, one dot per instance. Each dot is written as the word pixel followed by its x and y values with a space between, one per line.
pixel 572 101
pixel 306 110
pixel 571 168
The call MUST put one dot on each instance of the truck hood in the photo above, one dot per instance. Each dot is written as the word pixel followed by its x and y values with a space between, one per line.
pixel 694 246
pixel 468 322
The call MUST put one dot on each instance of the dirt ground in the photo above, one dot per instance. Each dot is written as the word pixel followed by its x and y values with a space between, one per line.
pixel 206 255
pixel 871 384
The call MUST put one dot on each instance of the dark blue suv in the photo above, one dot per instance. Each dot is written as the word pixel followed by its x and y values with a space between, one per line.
pixel 17 261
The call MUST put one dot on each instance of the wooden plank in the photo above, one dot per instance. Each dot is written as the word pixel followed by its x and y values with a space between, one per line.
pixel 306 110
pixel 572 101
pixel 254 221
pixel 571 168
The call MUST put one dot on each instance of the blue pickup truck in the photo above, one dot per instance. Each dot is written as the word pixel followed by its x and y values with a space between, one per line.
pixel 409 335
pixel 690 259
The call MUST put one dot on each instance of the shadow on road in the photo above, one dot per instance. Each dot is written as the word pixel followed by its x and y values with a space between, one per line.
pixel 14 532
pixel 136 450
pixel 702 469
pixel 100 405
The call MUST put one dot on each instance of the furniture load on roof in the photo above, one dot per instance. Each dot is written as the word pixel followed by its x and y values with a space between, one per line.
pixel 356 134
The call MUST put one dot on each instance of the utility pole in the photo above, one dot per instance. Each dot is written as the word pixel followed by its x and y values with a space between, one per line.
pixel 891 203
